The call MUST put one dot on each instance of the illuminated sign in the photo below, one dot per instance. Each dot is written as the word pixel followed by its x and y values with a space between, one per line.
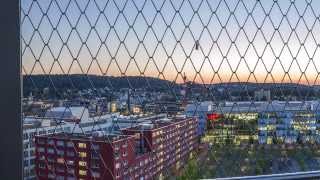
pixel 213 116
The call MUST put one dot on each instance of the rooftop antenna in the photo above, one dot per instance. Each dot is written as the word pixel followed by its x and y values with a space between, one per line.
pixel 128 101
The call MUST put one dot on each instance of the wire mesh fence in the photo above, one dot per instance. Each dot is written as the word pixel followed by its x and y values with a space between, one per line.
pixel 131 89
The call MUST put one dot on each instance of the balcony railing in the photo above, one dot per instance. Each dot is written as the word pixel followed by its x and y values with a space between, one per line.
pixel 239 77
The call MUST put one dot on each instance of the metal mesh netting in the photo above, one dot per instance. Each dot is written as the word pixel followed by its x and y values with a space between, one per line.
pixel 246 70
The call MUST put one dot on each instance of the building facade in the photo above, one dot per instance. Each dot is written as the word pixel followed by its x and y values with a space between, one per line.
pixel 200 111
pixel 145 151
pixel 29 154
pixel 266 122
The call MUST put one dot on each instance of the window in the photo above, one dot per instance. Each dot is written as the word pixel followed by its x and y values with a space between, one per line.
pixel 60 169
pixel 25 153
pixel 42 157
pixel 94 164
pixel 116 147
pixel 51 142
pixel 82 145
pixel 50 151
pixel 25 145
pixel 25 136
pixel 41 149
pixel 70 144
pixel 42 174
pixel 51 176
pixel 32 153
pixel 125 145
pixel 42 141
pixel 60 160
pixel 82 154
pixel 42 165
pixel 60 152
pixel 82 172
pixel 50 159
pixel 70 171
pixel 70 153
pixel 60 178
pixel 50 167
pixel 95 147
pixel 96 174
pixel 60 143
pixel 32 143
pixel 32 172
pixel 118 174
pixel 82 163
pixel 70 162
pixel 51 131
pixel 94 155
pixel 32 134
pixel 116 155
pixel 117 165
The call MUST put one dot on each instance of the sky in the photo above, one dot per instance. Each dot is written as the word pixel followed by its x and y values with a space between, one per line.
pixel 157 38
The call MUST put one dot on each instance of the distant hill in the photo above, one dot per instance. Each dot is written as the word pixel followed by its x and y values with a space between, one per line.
pixel 33 83
pixel 59 84
pixel 266 86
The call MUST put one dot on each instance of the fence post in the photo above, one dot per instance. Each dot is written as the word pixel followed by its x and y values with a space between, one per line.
pixel 10 92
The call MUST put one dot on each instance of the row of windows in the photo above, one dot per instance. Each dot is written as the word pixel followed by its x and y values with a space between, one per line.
pixel 29 173
pixel 158 166
pixel 170 129
pixel 59 152
pixel 28 144
pixel 116 147
pixel 68 144
pixel 30 135
pixel 81 173
pixel 117 156
pixel 62 161
pixel 169 139
pixel 57 177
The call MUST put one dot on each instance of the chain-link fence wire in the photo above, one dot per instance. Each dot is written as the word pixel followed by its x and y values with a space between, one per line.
pixel 254 63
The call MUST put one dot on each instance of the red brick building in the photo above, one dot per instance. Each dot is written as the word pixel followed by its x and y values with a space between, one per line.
pixel 142 152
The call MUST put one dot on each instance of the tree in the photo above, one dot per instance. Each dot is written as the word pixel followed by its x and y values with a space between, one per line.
pixel 192 171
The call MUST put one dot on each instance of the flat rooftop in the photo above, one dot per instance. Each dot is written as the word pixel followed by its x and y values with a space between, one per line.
pixel 87 137
pixel 156 124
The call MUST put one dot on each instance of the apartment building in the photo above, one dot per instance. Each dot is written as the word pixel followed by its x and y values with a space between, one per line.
pixel 145 151
pixel 29 132
pixel 58 120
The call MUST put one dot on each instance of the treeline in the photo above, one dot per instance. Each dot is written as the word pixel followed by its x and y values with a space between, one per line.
pixel 60 86
pixel 76 82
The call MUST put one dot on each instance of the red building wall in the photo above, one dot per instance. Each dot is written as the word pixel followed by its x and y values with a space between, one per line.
pixel 164 146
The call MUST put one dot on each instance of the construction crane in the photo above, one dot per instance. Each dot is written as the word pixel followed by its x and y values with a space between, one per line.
pixel 185 91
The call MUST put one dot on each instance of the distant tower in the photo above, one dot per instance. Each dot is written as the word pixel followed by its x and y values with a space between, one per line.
pixel 184 91
pixel 128 101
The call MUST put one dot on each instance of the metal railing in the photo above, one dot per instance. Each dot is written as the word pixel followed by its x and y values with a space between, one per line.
pixel 297 175
pixel 248 70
